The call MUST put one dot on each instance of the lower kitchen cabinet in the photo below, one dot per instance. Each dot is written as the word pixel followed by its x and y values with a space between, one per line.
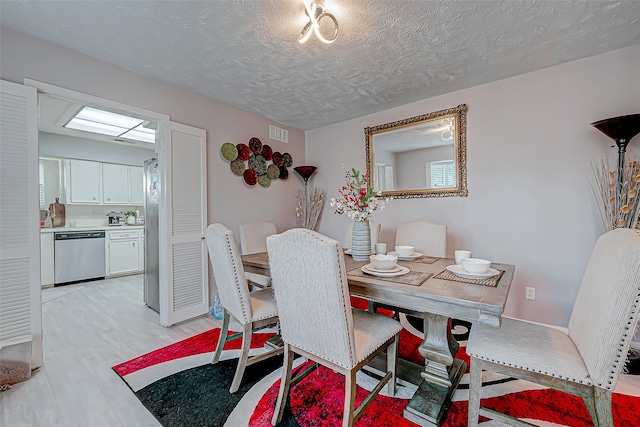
pixel 123 253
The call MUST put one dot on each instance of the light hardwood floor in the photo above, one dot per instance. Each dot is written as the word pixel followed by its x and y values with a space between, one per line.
pixel 89 328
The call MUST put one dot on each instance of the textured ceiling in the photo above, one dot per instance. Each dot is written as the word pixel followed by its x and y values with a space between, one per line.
pixel 388 53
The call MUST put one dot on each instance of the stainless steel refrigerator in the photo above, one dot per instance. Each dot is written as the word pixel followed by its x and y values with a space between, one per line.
pixel 151 240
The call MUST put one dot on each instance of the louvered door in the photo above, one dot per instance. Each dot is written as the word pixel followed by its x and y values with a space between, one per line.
pixel 20 311
pixel 184 284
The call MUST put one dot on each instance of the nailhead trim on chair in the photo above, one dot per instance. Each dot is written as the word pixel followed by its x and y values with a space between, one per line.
pixel 347 304
pixel 511 365
pixel 237 277
pixel 338 254
pixel 616 365
pixel 623 343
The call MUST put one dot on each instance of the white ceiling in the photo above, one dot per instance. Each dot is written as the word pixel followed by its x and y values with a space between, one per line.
pixel 245 53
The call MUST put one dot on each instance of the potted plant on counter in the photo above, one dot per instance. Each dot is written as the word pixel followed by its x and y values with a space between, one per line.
pixel 131 217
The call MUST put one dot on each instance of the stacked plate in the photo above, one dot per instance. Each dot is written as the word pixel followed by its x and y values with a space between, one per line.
pixel 459 271
pixel 398 270
pixel 406 258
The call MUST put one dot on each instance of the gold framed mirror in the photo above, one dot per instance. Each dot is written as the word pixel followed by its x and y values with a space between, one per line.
pixel 422 156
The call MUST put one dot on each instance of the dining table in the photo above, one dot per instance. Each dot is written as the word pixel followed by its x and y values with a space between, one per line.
pixel 430 289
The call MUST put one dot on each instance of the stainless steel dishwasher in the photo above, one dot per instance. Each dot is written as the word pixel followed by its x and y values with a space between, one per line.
pixel 79 256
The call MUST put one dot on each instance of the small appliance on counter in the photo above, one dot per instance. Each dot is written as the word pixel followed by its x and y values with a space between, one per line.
pixel 115 218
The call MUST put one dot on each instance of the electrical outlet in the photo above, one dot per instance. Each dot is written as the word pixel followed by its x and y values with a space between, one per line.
pixel 530 293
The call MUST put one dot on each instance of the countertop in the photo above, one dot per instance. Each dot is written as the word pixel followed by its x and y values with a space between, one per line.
pixel 91 228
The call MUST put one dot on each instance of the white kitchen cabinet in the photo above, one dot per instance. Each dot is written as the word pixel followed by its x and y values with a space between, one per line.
pixel 115 184
pixel 85 182
pixel 136 185
pixel 46 259
pixel 123 252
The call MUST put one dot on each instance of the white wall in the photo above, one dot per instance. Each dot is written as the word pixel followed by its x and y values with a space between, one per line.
pixel 69 147
pixel 530 145
pixel 230 201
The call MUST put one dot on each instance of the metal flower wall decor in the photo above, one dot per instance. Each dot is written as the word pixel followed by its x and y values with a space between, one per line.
pixel 250 162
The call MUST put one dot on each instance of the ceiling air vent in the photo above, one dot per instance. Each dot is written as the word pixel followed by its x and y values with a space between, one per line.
pixel 278 134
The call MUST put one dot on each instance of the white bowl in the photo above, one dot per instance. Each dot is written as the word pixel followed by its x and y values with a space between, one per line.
pixel 476 265
pixel 383 262
pixel 405 250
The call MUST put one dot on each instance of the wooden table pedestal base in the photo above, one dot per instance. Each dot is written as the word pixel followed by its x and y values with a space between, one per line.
pixel 430 403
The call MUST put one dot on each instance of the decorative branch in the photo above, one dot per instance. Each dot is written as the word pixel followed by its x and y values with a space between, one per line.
pixel 310 203
pixel 618 201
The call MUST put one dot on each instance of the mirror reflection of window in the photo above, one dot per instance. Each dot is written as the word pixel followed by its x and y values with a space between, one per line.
pixel 50 181
pixel 441 174
pixel 383 177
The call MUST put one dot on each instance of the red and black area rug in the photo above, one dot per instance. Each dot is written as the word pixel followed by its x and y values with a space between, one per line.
pixel 180 387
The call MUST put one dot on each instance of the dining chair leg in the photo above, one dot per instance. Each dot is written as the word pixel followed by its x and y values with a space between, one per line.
pixel 603 408
pixel 475 385
pixel 590 403
pixel 285 383
pixel 223 337
pixel 392 362
pixel 247 333
pixel 349 398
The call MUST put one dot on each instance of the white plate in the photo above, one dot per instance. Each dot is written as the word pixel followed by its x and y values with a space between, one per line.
pixel 459 271
pixel 348 252
pixel 377 270
pixel 403 270
pixel 406 258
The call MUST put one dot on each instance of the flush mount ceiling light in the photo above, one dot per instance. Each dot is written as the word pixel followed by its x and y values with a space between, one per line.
pixel 315 12
pixel 90 119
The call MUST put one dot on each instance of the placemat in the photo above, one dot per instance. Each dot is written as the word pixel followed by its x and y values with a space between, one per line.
pixel 424 259
pixel 413 278
pixel 490 281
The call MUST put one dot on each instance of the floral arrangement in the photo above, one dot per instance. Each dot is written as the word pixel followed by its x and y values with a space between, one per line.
pixel 358 200
pixel 619 202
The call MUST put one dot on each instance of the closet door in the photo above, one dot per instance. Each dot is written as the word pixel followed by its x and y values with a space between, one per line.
pixel 20 311
pixel 184 268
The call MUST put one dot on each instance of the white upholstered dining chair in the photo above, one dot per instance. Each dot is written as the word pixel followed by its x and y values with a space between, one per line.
pixel 585 361
pixel 374 228
pixel 253 239
pixel 253 236
pixel 253 310
pixel 317 321
pixel 428 238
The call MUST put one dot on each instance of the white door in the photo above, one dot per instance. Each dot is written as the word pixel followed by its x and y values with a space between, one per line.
pixel 20 300
pixel 182 218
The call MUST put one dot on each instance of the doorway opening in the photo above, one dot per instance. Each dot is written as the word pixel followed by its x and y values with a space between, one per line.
pixel 119 155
